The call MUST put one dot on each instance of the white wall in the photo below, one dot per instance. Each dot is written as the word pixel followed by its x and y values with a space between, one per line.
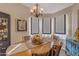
pixel 75 19
pixel 16 11
pixel 72 20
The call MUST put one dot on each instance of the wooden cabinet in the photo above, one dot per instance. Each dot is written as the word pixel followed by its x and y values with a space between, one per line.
pixel 4 32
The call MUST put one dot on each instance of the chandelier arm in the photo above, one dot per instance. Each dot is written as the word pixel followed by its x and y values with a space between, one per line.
pixel 36 11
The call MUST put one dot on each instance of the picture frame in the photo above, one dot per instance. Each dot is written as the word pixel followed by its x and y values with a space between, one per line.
pixel 21 25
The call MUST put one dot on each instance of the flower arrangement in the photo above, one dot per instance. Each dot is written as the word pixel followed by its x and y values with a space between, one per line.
pixel 77 34
pixel 37 39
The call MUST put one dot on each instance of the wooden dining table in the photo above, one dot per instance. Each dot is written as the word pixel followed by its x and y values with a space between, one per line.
pixel 22 46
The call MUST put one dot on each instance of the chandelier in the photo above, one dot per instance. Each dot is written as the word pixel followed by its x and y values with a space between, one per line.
pixel 36 10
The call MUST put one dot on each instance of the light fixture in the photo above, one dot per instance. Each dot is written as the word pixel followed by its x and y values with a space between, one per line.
pixel 36 10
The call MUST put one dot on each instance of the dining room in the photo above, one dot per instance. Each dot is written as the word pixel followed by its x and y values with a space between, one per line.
pixel 39 29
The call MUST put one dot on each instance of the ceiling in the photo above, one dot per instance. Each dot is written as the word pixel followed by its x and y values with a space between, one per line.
pixel 50 7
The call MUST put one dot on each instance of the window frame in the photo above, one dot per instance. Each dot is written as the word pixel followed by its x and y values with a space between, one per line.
pixel 64 26
pixel 31 27
pixel 43 26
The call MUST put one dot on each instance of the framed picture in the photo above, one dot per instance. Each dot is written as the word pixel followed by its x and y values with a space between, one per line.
pixel 21 25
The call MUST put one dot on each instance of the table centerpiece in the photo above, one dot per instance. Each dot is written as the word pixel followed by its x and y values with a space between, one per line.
pixel 37 39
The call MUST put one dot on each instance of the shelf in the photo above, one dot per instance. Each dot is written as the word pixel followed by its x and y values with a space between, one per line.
pixel 5 32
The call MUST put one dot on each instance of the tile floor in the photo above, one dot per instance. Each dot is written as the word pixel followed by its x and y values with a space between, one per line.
pixel 62 53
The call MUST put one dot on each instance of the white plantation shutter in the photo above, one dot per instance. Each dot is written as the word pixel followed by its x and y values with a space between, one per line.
pixel 46 25
pixel 34 25
pixel 60 24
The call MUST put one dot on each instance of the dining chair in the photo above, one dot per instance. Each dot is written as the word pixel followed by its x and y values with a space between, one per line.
pixel 41 50
pixel 56 49
pixel 26 38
